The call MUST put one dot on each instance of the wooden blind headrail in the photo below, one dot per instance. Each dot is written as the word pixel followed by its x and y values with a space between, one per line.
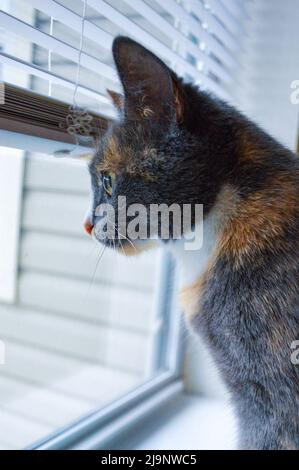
pixel 26 112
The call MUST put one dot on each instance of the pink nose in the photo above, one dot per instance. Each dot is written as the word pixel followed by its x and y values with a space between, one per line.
pixel 88 225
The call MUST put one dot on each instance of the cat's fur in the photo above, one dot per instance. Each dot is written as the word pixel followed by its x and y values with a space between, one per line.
pixel 176 144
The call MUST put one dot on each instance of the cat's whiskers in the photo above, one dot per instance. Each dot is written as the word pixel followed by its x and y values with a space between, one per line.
pixel 121 245
pixel 101 253
pixel 121 235
pixel 127 239
pixel 114 227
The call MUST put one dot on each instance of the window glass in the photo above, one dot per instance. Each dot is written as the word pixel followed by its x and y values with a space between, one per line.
pixel 82 329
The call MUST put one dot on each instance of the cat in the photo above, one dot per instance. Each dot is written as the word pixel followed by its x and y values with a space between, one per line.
pixel 174 143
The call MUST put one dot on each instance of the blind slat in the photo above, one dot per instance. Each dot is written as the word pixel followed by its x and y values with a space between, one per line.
pixel 229 17
pixel 73 21
pixel 236 8
pixel 198 30
pixel 37 71
pixel 215 27
pixel 55 45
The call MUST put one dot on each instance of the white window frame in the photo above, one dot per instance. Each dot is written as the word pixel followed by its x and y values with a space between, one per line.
pixel 11 185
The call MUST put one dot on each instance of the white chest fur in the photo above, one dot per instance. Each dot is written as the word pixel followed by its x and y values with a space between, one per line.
pixel 192 264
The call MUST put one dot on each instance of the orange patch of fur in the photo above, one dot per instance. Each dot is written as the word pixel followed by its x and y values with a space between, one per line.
pixel 259 220
pixel 190 297
pixel 113 157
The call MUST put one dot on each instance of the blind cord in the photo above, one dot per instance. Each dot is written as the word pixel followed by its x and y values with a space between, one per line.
pixel 80 53
pixel 79 121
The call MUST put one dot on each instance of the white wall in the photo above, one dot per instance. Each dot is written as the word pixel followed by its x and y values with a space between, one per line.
pixel 270 65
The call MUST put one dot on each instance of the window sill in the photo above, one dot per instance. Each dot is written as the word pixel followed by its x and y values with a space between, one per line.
pixel 187 422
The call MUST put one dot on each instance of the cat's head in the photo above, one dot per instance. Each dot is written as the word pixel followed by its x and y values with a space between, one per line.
pixel 148 156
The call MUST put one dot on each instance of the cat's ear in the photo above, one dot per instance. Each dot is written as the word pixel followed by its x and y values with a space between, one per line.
pixel 117 98
pixel 150 92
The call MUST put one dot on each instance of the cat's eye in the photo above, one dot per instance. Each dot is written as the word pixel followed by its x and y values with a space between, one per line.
pixel 108 178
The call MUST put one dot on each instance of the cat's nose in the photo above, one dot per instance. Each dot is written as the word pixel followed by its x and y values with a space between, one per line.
pixel 88 225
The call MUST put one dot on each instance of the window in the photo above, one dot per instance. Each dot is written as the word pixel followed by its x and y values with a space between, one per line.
pixel 88 340
pixel 80 332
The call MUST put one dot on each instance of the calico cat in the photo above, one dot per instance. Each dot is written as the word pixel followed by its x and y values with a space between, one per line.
pixel 176 144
